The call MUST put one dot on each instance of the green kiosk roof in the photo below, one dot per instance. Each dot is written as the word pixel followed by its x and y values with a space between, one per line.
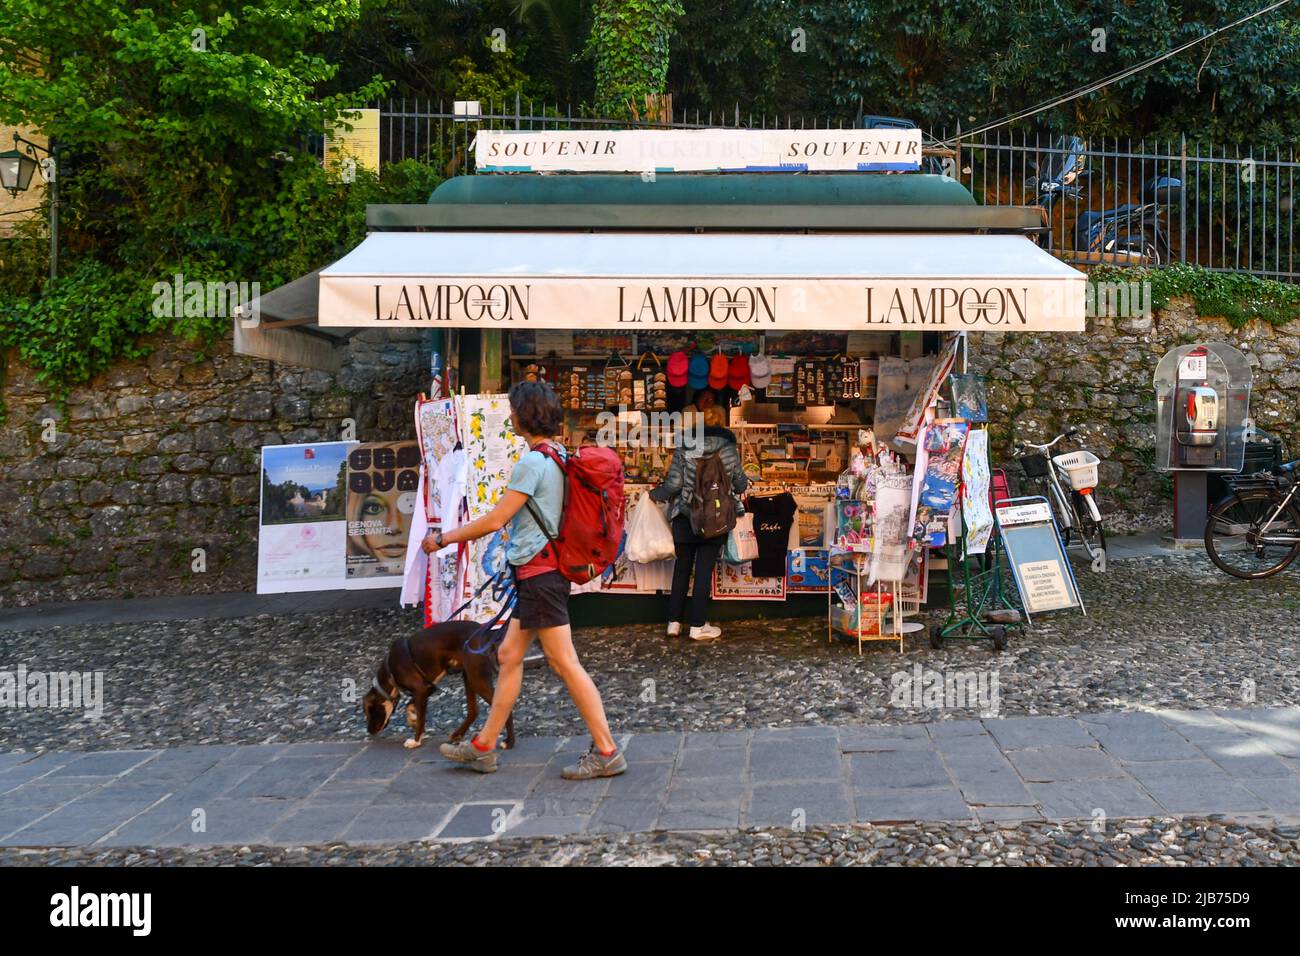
pixel 693 189
pixel 858 202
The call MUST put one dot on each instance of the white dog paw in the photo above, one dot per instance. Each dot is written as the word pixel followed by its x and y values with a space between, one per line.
pixel 411 744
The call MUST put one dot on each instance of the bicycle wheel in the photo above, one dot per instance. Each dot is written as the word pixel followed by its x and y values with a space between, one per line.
pixel 1089 530
pixel 1234 542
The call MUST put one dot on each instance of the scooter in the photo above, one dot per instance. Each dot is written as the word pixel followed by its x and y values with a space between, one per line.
pixel 1134 229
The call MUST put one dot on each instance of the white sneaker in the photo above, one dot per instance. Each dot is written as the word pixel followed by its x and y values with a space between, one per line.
pixel 705 632
pixel 675 629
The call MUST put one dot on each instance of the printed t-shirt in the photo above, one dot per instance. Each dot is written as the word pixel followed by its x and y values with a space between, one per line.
pixel 773 517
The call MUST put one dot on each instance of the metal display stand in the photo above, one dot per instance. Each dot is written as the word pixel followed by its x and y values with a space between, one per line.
pixel 979 608
pixel 893 601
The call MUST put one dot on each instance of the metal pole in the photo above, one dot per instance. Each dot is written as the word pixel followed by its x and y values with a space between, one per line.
pixel 54 210
pixel 1182 202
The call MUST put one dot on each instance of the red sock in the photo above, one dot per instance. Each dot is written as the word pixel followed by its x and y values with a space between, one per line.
pixel 478 746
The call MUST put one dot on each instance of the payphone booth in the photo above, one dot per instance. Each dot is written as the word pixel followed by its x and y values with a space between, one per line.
pixel 1202 417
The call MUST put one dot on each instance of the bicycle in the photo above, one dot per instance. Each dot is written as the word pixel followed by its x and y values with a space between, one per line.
pixel 1070 487
pixel 1254 532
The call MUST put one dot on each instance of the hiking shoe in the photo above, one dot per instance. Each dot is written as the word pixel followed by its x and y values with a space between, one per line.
pixel 675 629
pixel 593 764
pixel 465 752
pixel 705 632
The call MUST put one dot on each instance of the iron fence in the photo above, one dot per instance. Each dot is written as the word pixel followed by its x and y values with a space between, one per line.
pixel 1233 209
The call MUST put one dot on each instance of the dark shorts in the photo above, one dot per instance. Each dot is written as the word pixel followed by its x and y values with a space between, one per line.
pixel 543 601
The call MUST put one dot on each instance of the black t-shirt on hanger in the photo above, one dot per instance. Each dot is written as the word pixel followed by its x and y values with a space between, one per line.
pixel 772 519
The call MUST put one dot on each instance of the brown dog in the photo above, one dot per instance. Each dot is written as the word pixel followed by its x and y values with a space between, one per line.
pixel 416 664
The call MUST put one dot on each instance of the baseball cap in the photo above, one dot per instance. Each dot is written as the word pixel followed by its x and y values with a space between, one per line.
pixel 738 374
pixel 718 367
pixel 677 369
pixel 698 370
pixel 760 371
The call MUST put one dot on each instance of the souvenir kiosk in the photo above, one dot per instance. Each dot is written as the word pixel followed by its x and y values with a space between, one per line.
pixel 822 309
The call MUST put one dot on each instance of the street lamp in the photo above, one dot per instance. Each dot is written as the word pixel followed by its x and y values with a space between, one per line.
pixel 16 169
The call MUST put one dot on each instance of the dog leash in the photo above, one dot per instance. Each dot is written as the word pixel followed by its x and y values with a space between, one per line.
pixel 406 646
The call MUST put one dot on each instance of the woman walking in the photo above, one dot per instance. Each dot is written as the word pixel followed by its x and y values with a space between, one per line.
pixel 695 554
pixel 542 606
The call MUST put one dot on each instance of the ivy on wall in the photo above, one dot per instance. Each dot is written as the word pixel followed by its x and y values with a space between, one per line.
pixel 1235 296
pixel 630 42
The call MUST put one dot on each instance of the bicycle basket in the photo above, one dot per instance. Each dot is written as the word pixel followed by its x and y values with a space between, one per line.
pixel 1035 466
pixel 1080 467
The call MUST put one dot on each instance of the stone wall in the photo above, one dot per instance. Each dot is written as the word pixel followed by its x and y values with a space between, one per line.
pixel 158 457
pixel 1101 381
pixel 161 456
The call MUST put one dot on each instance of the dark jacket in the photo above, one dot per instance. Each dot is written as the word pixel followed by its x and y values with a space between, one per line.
pixel 679 485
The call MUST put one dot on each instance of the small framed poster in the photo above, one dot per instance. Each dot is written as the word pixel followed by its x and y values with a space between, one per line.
pixel 1038 562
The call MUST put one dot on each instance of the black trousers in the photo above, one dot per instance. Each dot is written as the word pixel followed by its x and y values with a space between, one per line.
pixel 697 555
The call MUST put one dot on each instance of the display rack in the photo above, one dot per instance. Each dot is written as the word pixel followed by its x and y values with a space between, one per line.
pixel 875 612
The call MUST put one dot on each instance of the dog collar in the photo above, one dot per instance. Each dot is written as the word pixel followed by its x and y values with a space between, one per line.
pixel 382 693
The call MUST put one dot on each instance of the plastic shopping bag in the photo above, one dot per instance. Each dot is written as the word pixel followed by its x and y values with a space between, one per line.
pixel 649 538
pixel 742 543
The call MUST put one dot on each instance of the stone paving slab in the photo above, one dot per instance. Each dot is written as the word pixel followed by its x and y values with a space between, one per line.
pixel 1240 763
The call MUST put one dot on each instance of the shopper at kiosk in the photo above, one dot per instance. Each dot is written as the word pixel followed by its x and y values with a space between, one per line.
pixel 696 554
pixel 541 609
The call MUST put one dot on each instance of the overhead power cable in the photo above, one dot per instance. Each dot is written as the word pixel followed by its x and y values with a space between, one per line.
pixel 1113 78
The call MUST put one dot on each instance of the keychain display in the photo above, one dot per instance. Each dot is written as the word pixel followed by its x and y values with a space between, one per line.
pixel 812 383
pixel 850 379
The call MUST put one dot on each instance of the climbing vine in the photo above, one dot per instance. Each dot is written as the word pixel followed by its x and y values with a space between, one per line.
pixel 629 42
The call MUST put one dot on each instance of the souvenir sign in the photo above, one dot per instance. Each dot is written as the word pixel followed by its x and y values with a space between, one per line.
pixel 697 151
pixel 1038 562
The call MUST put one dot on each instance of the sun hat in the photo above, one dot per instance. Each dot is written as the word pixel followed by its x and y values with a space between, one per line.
pixel 698 376
pixel 676 369
pixel 760 371
pixel 718 367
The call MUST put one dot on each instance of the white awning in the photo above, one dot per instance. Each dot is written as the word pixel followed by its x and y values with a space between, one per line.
pixel 737 281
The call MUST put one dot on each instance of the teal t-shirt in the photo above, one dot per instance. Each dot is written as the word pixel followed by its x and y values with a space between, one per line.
pixel 541 480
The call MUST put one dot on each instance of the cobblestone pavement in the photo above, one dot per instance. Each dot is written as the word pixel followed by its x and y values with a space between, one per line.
pixel 1160 632
pixel 1244 764
pixel 1158 842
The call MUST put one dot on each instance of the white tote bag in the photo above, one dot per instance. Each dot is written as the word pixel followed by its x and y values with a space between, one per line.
pixel 649 538
pixel 742 543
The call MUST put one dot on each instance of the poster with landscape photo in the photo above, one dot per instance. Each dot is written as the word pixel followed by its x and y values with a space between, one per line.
pixel 302 531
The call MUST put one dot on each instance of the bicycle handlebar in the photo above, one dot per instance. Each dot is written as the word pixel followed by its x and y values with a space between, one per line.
pixel 1068 433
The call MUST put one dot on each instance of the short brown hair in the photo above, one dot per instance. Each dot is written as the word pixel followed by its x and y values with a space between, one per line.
pixel 537 408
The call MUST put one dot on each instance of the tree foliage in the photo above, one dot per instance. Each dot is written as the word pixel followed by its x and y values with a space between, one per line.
pixel 183 129
pixel 941 62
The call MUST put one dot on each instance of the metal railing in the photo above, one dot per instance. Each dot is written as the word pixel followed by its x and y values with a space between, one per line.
pixel 1235 210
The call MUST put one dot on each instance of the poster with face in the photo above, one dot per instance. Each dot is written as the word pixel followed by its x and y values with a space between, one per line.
pixel 302 530
pixel 383 491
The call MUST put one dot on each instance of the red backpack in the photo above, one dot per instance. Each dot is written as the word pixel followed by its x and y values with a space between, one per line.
pixel 591 521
